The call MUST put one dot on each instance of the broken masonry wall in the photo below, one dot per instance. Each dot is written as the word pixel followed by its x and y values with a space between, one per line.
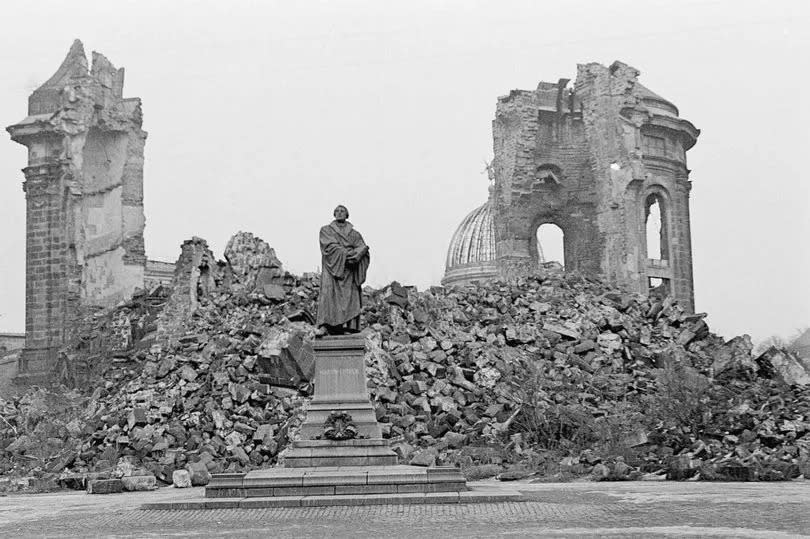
pixel 604 93
pixel 106 222
pixel 587 160
pixel 253 265
pixel 513 144
pixel 542 175
pixel 196 274
pixel 158 273
pixel 620 114
pixel 84 190
pixel 562 185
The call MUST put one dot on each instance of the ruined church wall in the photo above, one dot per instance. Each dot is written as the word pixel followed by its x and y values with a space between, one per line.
pixel 106 220
pixel 84 191
pixel 586 160
pixel 549 141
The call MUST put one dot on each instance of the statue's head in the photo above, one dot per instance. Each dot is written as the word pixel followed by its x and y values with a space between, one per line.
pixel 341 213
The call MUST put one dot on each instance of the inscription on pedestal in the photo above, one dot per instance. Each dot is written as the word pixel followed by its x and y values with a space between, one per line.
pixel 340 386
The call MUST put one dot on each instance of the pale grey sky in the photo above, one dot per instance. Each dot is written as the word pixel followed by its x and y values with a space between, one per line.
pixel 262 116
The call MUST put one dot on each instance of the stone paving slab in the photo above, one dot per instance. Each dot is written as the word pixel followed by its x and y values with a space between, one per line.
pixel 605 509
pixel 295 497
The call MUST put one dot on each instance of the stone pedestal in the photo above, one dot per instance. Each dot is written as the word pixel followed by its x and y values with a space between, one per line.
pixel 340 385
pixel 358 471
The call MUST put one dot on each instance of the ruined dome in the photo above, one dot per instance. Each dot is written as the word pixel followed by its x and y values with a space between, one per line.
pixel 471 256
pixel 655 102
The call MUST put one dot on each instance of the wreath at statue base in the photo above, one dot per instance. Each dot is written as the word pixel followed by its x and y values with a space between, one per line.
pixel 339 426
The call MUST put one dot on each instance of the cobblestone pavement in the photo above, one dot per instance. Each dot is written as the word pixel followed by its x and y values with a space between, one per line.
pixel 552 509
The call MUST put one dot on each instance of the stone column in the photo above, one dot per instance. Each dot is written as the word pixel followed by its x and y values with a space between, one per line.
pixel 46 268
pixel 682 283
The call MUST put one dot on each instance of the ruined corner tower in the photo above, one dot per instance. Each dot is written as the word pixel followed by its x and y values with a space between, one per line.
pixel 84 196
pixel 593 159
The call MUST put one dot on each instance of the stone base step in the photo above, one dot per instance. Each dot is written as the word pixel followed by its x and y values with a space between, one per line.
pixel 321 453
pixel 469 496
pixel 334 481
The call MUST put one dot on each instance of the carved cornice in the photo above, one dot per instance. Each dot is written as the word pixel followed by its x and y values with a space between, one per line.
pixel 663 163
pixel 684 129
pixel 33 127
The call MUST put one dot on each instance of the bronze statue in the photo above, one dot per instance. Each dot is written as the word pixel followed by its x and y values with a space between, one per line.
pixel 344 261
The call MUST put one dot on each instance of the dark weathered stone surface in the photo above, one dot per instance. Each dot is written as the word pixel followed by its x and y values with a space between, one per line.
pixel 104 486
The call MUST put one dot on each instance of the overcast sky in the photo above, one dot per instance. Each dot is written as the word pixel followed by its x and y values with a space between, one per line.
pixel 262 116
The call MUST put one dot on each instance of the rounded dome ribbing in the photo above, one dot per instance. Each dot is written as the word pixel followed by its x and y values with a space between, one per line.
pixel 471 255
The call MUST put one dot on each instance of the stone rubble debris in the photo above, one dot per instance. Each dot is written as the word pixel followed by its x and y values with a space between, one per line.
pixel 551 374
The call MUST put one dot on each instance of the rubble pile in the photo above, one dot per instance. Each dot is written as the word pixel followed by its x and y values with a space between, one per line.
pixel 557 373
pixel 562 365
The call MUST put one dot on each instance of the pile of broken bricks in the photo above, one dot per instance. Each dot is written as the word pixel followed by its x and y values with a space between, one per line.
pixel 212 376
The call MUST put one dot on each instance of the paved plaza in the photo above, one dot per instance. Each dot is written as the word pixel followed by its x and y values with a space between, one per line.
pixel 632 509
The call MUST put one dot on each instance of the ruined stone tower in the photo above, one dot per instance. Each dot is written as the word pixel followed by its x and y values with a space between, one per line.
pixel 84 196
pixel 593 160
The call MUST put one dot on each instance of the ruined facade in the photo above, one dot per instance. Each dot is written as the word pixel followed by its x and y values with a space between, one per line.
pixel 593 159
pixel 84 196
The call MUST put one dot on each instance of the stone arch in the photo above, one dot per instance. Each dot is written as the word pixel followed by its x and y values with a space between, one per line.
pixel 550 244
pixel 562 225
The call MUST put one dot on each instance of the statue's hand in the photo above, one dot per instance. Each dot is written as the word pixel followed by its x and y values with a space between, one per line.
pixel 356 254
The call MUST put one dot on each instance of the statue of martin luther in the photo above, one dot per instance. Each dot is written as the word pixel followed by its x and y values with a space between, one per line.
pixel 344 262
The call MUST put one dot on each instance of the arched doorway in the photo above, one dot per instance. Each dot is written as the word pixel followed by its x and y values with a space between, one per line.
pixel 550 244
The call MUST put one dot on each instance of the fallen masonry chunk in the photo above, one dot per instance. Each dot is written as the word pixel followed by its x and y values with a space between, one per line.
pixel 181 479
pixel 396 294
pixel 562 330
pixel 198 474
pixel 609 342
pixel 584 346
pixel 188 373
pixel 425 457
pixel 274 292
pixel 104 486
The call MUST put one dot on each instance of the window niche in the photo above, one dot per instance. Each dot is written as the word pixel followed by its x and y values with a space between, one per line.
pixel 548 175
pixel 657 235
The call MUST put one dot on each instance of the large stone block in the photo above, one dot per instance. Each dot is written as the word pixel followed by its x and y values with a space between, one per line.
pixel 105 486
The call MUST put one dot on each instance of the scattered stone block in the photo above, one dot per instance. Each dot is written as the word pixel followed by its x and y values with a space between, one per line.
pixel 181 479
pixel 198 474
pixel 104 486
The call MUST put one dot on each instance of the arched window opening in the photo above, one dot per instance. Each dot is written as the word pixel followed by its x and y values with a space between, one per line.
pixel 550 244
pixel 656 230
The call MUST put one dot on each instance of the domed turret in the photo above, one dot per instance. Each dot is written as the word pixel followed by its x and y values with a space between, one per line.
pixel 471 256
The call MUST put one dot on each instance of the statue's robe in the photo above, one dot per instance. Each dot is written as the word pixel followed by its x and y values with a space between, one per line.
pixel 341 295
